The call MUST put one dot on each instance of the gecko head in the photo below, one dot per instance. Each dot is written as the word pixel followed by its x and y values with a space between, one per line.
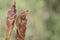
pixel 26 11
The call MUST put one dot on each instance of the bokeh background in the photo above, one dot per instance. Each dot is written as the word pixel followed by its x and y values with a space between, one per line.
pixel 43 22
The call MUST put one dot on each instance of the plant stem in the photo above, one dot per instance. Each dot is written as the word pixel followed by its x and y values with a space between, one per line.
pixel 10 20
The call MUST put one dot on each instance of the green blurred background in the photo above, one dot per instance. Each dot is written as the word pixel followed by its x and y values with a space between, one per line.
pixel 43 22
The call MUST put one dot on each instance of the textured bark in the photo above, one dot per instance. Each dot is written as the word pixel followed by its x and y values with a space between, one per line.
pixel 10 20
pixel 21 25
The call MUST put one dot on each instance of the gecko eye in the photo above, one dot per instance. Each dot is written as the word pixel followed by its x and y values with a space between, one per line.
pixel 27 10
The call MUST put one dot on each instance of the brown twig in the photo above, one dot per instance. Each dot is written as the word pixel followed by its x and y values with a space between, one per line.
pixel 10 20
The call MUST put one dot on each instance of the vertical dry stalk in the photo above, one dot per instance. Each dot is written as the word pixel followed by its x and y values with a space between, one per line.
pixel 21 25
pixel 10 20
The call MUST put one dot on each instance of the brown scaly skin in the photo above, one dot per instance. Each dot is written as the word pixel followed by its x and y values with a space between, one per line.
pixel 10 20
pixel 21 25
